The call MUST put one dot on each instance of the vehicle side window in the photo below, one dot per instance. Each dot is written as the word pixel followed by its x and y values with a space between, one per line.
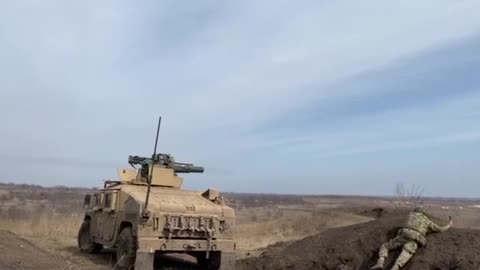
pixel 108 200
pixel 97 204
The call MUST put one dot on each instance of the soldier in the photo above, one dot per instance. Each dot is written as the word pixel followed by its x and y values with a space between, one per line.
pixel 413 233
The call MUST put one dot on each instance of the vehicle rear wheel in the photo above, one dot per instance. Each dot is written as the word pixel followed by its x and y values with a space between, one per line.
pixel 85 242
pixel 217 261
pixel 126 249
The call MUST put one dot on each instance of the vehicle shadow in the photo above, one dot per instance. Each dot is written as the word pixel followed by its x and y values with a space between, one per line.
pixel 82 261
pixel 175 261
pixel 106 260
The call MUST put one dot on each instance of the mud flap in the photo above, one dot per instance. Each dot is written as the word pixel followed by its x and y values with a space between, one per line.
pixel 144 261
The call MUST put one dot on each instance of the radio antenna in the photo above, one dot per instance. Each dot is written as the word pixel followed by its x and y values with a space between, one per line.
pixel 146 213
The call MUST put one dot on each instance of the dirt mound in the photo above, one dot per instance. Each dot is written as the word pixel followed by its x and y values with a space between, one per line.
pixel 18 253
pixel 355 248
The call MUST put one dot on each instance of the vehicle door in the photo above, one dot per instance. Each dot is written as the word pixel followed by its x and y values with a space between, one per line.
pixel 97 216
pixel 110 214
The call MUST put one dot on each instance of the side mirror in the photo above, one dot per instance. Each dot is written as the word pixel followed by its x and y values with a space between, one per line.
pixel 87 201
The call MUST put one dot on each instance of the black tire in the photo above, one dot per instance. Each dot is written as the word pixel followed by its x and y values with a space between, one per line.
pixel 217 261
pixel 126 249
pixel 84 239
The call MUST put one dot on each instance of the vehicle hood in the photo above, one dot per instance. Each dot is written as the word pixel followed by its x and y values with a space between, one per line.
pixel 168 200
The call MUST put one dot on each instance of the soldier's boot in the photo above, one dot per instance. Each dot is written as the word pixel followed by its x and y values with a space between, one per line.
pixel 379 264
pixel 402 259
pixel 144 261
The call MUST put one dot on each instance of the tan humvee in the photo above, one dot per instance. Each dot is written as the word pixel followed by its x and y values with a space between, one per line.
pixel 170 220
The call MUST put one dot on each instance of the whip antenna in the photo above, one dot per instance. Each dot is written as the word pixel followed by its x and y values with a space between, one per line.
pixel 146 213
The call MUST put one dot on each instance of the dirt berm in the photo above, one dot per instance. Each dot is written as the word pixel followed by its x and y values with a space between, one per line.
pixel 17 253
pixel 355 248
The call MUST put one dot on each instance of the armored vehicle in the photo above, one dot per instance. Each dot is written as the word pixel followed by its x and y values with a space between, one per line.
pixel 146 213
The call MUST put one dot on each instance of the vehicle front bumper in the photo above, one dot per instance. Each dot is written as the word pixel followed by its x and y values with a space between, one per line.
pixel 152 244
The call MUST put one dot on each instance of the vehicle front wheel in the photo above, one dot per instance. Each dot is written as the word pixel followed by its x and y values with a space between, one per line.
pixel 85 242
pixel 126 249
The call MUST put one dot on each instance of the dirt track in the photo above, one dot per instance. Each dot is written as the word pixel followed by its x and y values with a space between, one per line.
pixel 355 248
pixel 18 253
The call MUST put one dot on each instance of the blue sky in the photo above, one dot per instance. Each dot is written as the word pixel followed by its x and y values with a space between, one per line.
pixel 275 96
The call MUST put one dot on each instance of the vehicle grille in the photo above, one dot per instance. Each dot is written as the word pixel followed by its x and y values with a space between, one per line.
pixel 191 226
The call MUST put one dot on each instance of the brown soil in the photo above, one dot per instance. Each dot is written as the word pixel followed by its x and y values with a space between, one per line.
pixel 355 248
pixel 18 253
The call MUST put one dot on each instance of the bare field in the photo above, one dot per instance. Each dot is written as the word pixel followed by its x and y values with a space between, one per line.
pixel 50 217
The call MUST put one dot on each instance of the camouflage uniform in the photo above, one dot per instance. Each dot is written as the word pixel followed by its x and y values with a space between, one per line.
pixel 409 237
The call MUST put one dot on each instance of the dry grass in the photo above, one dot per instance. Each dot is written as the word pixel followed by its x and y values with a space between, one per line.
pixel 53 226
pixel 269 225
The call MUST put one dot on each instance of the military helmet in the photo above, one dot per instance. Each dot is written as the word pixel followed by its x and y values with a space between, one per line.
pixel 420 209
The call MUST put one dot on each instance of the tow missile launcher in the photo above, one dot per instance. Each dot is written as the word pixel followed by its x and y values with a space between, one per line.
pixel 164 161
